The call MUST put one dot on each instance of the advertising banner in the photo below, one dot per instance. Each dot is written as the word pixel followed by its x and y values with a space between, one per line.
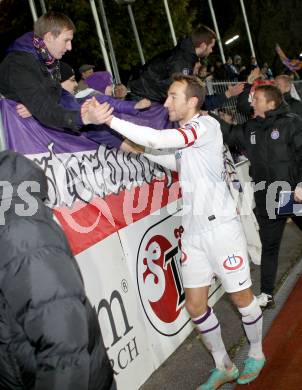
pixel 121 214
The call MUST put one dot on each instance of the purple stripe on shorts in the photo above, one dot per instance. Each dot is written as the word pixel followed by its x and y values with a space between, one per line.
pixel 203 318
pixel 253 322
pixel 209 330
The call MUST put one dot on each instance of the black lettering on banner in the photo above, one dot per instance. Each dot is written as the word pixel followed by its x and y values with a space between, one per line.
pixel 133 348
pixel 119 359
pixel 126 355
pixel 96 173
pixel 170 258
pixel 108 306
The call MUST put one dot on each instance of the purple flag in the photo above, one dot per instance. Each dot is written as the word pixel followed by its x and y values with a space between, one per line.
pixel 28 136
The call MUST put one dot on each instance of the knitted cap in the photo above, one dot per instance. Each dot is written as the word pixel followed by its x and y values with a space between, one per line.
pixel 66 71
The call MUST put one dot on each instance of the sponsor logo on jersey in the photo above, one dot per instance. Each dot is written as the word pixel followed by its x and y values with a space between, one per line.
pixel 233 262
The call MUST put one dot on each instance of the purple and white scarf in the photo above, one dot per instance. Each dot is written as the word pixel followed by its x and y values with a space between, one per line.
pixel 51 64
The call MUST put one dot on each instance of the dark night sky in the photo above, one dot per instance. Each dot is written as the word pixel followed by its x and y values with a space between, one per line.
pixel 229 17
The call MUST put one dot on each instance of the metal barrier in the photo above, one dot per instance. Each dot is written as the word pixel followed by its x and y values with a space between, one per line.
pixel 220 87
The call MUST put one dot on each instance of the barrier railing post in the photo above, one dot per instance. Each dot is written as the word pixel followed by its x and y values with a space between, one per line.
pixel 247 28
pixel 100 35
pixel 138 42
pixel 217 31
pixel 33 10
pixel 170 22
pixel 111 49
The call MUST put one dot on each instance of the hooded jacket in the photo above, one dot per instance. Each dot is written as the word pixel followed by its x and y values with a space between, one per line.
pixel 274 147
pixel 25 79
pixel 49 333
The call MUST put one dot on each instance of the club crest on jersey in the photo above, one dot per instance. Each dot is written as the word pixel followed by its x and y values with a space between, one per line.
pixel 233 262
pixel 253 138
pixel 275 134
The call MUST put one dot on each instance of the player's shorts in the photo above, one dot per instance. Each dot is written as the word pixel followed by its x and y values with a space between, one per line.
pixel 220 252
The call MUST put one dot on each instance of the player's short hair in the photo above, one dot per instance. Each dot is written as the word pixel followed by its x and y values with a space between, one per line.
pixel 194 87
pixel 53 22
pixel 202 34
pixel 271 93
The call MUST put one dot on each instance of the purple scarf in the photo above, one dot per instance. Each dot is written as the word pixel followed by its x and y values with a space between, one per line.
pixel 51 64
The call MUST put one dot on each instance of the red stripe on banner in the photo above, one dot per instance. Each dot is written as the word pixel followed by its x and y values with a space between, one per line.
pixel 86 224
pixel 183 134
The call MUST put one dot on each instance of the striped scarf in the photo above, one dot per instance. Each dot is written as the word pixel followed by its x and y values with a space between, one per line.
pixel 46 59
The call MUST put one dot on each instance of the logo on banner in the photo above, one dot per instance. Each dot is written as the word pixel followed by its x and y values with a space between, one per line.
pixel 233 262
pixel 159 279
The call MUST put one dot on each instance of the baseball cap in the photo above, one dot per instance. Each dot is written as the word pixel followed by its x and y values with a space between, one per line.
pixel 85 67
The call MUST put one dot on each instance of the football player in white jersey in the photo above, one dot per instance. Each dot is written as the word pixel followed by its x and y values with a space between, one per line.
pixel 213 242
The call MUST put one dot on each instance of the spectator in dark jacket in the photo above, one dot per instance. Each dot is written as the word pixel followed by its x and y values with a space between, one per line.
pixel 285 83
pixel 30 73
pixel 50 336
pixel 273 144
pixel 154 78
pixel 101 134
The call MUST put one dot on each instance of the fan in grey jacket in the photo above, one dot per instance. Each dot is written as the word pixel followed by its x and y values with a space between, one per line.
pixel 49 334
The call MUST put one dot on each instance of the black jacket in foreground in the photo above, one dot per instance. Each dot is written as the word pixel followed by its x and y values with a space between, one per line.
pixel 24 79
pixel 274 147
pixel 49 334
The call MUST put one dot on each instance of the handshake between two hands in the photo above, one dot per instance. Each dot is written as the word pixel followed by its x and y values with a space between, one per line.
pixel 92 112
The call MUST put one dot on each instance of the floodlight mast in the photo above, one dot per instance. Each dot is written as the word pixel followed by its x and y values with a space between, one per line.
pixel 134 28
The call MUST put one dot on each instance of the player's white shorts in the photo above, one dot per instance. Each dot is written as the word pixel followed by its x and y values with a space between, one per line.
pixel 221 252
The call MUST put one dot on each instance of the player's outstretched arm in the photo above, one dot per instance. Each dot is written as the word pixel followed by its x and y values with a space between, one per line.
pixel 152 138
